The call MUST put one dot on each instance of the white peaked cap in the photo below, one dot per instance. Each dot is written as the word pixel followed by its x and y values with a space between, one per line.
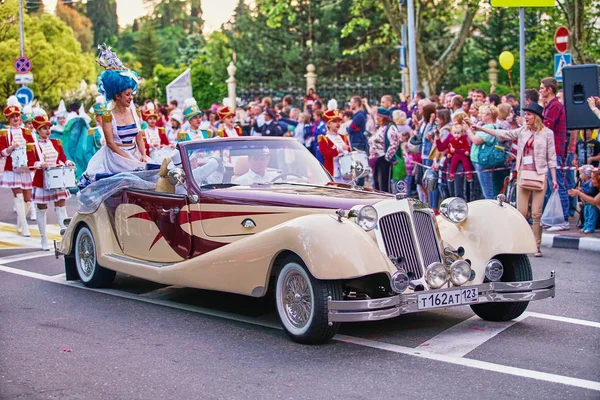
pixel 62 109
pixel 12 101
pixel 39 111
pixel 227 102
pixel 190 102
pixel 84 115
pixel 27 109
pixel 150 106
pixel 332 104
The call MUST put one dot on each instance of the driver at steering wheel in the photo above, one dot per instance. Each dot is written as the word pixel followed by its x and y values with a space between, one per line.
pixel 258 159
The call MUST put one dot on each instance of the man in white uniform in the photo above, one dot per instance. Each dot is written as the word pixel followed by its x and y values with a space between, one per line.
pixel 258 159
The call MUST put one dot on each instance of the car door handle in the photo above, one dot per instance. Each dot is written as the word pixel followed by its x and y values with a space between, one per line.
pixel 171 210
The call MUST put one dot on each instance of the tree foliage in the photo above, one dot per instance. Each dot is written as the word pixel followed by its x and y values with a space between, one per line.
pixel 103 14
pixel 48 42
pixel 147 48
pixel 81 25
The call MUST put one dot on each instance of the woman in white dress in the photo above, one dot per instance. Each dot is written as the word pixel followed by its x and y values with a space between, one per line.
pixel 16 145
pixel 125 149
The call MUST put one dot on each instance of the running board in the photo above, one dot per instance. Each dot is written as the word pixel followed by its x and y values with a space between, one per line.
pixel 138 261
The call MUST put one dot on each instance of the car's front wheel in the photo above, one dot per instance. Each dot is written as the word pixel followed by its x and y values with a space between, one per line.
pixel 90 273
pixel 302 303
pixel 517 268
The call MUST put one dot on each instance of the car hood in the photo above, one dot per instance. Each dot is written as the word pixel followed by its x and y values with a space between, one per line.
pixel 332 196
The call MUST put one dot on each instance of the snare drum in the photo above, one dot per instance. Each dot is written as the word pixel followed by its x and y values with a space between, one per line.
pixel 19 158
pixel 355 160
pixel 59 178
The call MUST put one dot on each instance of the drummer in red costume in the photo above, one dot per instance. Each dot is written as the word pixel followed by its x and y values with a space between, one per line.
pixel 332 145
pixel 154 137
pixel 227 128
pixel 48 153
pixel 16 145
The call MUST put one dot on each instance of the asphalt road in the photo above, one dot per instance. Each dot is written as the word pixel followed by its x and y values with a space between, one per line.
pixel 141 340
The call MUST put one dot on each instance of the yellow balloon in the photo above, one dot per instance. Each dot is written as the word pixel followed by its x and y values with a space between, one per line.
pixel 507 60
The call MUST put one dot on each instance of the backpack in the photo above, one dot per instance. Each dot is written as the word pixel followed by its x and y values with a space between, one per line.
pixel 491 155
pixel 398 164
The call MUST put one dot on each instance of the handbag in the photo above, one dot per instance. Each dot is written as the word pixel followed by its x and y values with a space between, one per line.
pixel 531 180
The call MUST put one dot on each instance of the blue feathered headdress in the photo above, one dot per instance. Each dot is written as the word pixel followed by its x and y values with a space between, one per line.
pixel 117 78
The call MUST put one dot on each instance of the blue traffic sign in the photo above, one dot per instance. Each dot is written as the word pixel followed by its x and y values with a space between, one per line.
pixel 23 65
pixel 560 61
pixel 25 95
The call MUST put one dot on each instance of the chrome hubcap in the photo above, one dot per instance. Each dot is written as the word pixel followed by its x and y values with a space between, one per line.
pixel 297 299
pixel 86 255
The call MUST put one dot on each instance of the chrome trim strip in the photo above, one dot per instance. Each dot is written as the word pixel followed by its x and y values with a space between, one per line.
pixel 137 261
pixel 389 307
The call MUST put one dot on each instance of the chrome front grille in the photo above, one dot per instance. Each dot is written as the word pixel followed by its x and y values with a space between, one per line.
pixel 427 237
pixel 399 242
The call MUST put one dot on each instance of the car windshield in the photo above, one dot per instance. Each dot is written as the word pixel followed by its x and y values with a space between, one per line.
pixel 217 164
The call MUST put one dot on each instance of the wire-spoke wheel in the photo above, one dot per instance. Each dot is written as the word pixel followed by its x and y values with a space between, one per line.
pixel 90 273
pixel 302 303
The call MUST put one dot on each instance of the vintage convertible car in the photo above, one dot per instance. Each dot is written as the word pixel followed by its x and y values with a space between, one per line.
pixel 254 215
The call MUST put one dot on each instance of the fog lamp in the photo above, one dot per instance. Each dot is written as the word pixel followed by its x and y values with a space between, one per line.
pixel 494 270
pixel 399 281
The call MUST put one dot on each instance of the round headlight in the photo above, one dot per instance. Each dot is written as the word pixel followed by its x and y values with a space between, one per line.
pixel 455 209
pixel 494 270
pixel 399 281
pixel 460 272
pixel 366 217
pixel 436 275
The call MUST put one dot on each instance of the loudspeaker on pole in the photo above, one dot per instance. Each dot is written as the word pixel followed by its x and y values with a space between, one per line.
pixel 579 83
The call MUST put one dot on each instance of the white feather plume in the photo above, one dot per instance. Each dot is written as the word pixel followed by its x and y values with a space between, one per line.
pixel 100 99
pixel 13 101
pixel 150 106
pixel 332 104
pixel 39 112
pixel 27 109
pixel 227 102
pixel 190 102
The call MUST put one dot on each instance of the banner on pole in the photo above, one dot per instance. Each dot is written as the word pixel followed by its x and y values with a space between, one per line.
pixel 181 88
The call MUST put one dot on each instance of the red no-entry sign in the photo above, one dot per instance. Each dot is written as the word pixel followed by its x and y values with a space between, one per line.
pixel 561 39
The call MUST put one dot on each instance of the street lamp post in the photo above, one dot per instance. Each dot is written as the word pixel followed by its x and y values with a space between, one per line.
pixel 412 48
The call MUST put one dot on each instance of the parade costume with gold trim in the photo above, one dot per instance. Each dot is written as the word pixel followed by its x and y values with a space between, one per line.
pixel 225 131
pixel 331 147
pixel 192 110
pixel 50 152
pixel 22 157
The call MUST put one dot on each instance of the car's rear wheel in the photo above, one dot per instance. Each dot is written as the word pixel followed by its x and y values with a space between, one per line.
pixel 517 268
pixel 302 303
pixel 90 273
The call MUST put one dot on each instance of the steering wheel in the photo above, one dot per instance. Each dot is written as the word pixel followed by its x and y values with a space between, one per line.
pixel 280 176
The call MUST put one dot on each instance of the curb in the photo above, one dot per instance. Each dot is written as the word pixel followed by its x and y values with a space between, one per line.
pixel 570 242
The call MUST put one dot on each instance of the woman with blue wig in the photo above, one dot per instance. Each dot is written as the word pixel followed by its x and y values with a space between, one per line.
pixel 124 150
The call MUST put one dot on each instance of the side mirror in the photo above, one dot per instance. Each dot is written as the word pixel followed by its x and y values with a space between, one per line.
pixel 176 176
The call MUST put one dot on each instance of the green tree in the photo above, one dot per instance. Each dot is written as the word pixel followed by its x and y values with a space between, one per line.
pixel 147 48
pixel 103 14
pixel 48 42
pixel 192 49
pixel 81 25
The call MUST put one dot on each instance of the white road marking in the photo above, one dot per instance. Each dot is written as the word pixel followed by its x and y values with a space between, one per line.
pixel 418 352
pixel 583 322
pixel 25 256
pixel 467 362
pixel 465 337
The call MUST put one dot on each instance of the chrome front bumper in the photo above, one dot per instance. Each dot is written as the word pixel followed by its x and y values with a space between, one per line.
pixel 390 307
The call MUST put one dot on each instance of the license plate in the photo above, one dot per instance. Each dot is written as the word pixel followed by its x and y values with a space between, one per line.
pixel 448 299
